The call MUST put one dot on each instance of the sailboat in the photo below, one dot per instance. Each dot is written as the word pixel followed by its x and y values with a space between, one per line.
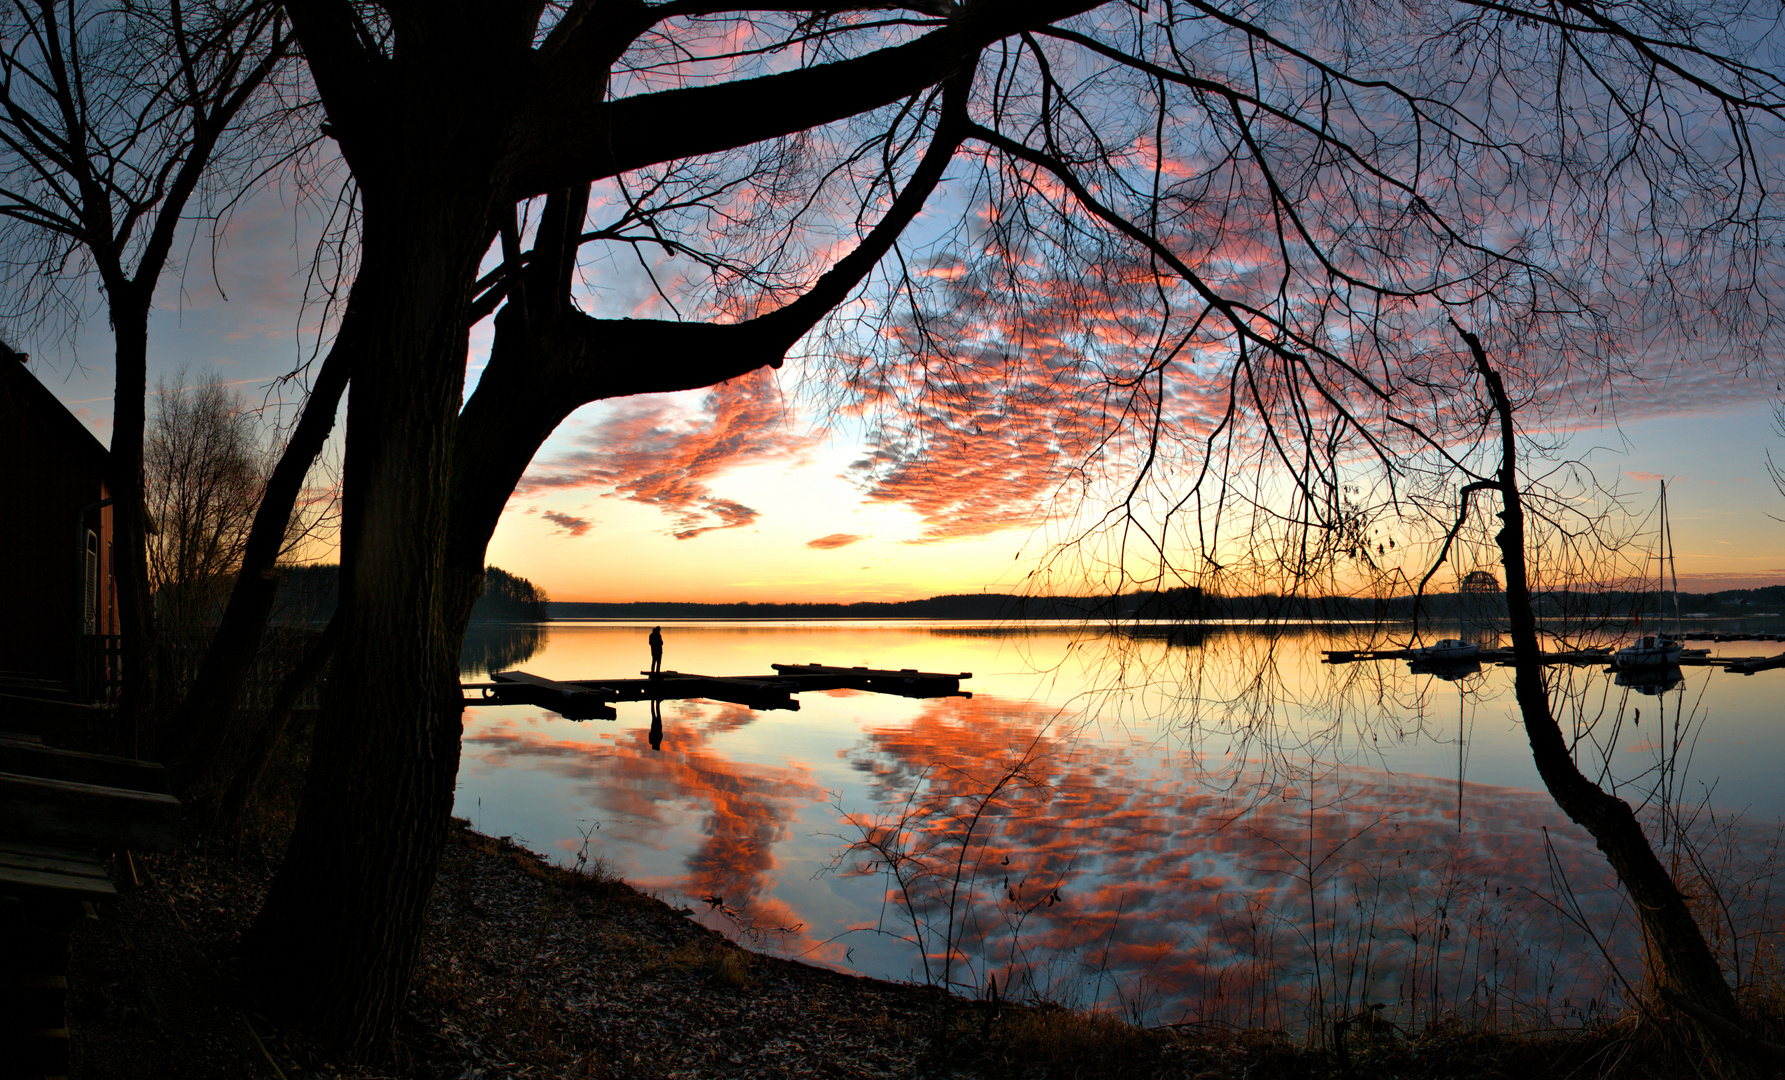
pixel 1657 650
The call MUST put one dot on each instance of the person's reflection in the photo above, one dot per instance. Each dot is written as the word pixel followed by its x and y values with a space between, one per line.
pixel 656 724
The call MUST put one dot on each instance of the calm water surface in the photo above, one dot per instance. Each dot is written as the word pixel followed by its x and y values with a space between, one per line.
pixel 1230 831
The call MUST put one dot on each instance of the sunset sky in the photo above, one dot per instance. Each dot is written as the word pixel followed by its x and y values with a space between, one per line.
pixel 757 491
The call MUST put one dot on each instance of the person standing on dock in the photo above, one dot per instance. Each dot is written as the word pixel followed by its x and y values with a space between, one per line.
pixel 656 651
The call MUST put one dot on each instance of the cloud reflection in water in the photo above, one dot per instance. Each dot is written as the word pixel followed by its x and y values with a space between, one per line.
pixel 745 807
pixel 1183 894
pixel 1126 873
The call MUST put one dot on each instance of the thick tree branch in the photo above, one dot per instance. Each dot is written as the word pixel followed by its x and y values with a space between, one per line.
pixel 340 56
pixel 566 135
pixel 542 368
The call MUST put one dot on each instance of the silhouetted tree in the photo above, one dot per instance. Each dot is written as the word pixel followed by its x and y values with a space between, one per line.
pixel 119 123
pixel 203 472
pixel 509 597
pixel 207 465
pixel 1689 973
pixel 1218 243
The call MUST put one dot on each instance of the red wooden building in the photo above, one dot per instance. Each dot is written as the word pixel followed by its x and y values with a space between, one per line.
pixel 58 600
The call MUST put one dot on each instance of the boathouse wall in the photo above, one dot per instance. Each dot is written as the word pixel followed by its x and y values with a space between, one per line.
pixel 58 598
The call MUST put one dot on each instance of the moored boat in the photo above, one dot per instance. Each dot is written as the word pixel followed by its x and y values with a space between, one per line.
pixel 1445 649
pixel 1660 649
pixel 1652 651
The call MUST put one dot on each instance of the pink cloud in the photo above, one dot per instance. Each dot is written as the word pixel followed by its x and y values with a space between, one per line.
pixel 834 540
pixel 573 526
pixel 1002 399
pixel 647 451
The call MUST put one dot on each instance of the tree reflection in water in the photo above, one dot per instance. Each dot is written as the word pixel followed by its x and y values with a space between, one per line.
pixel 493 646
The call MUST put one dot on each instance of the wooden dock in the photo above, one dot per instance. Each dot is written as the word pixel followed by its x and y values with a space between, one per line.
pixel 906 682
pixel 593 699
pixel 1750 664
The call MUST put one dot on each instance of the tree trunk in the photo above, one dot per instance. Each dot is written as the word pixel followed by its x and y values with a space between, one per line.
pixel 435 153
pixel 130 549
pixel 1685 960
pixel 337 937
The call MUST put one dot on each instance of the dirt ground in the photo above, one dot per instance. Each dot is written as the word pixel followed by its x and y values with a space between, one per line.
pixel 529 970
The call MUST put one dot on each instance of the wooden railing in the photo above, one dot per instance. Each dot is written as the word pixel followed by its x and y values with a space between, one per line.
pixel 100 669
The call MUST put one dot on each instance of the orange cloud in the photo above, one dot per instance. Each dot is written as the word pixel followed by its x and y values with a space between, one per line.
pixel 834 540
pixel 647 451
pixel 573 526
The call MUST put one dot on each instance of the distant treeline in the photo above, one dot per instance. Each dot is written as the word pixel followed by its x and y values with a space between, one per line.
pixel 1190 604
pixel 309 594
pixel 1181 605
pixel 509 598
pixel 1171 604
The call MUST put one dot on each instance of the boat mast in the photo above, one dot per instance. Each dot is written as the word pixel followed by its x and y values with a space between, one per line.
pixel 1672 569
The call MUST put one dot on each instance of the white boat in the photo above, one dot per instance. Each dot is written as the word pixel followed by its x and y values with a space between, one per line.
pixel 1652 651
pixel 1446 649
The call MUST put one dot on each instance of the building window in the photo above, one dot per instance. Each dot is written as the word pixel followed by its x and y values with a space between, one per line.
pixel 90 581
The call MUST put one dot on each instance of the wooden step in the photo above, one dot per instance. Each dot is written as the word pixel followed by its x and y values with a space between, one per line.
pixel 41 868
pixel 36 810
pixel 31 758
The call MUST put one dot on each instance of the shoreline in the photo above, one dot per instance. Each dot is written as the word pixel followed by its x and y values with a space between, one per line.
pixel 531 970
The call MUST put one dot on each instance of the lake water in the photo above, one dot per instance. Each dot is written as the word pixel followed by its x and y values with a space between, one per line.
pixel 1226 830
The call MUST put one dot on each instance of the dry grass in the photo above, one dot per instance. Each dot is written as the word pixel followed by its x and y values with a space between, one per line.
pixel 720 964
pixel 1056 1037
